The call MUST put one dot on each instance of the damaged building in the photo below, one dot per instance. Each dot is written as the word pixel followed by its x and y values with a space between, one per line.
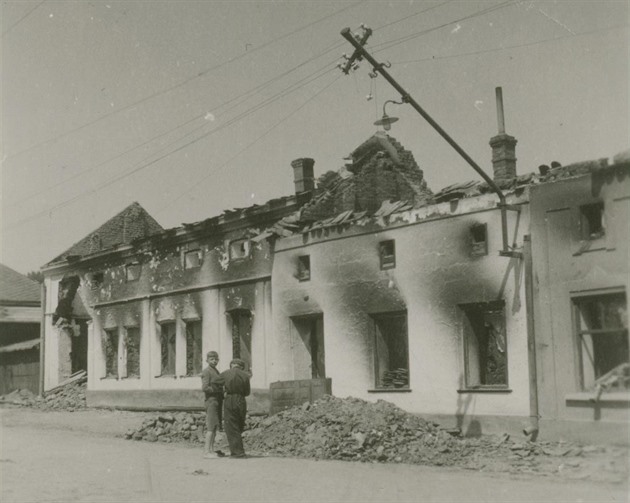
pixel 368 281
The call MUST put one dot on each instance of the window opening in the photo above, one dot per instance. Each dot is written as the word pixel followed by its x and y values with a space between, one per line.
pixel 132 345
pixel 592 221
pixel 242 335
pixel 387 252
pixel 391 350
pixel 192 259
pixel 111 353
pixel 239 249
pixel 79 347
pixel 311 331
pixel 485 345
pixel 167 340
pixel 97 279
pixel 602 332
pixel 132 271
pixel 194 357
pixel 304 267
pixel 479 239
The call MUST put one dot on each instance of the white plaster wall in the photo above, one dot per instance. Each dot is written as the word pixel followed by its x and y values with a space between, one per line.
pixel 431 278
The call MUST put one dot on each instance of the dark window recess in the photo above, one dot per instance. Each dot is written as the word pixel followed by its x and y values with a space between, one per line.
pixel 304 268
pixel 111 353
pixel 132 272
pixel 167 343
pixel 485 345
pixel 194 357
pixel 479 239
pixel 97 279
pixel 387 253
pixel 602 332
pixel 78 354
pixel 391 351
pixel 242 335
pixel 592 221
pixel 239 249
pixel 132 335
pixel 311 332
pixel 192 259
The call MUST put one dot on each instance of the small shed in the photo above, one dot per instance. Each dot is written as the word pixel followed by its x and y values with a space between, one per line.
pixel 20 319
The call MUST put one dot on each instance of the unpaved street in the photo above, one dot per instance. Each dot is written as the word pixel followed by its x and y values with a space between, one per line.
pixel 62 456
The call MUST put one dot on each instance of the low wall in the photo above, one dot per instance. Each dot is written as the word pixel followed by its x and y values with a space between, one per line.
pixel 159 400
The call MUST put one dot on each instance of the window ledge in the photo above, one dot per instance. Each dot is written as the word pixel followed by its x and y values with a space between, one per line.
pixel 588 397
pixel 109 378
pixel 485 390
pixel 168 376
pixel 389 390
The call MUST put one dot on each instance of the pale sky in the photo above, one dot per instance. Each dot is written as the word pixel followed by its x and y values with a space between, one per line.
pixel 193 107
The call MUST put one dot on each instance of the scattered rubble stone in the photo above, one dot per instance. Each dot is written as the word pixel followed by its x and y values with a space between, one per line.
pixel 351 429
pixel 70 397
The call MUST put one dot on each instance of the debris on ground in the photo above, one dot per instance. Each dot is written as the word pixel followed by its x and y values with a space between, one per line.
pixel 355 430
pixel 69 396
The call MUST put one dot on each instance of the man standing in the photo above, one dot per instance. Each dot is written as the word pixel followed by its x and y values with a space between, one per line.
pixel 213 391
pixel 236 383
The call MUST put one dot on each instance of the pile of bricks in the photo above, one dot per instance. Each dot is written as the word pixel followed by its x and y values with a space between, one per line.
pixel 70 398
pixel 176 427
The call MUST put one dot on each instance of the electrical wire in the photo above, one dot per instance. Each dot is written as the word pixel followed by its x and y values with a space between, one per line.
pixel 474 53
pixel 22 18
pixel 211 172
pixel 181 84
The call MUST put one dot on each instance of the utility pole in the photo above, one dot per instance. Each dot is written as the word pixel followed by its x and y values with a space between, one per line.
pixel 359 53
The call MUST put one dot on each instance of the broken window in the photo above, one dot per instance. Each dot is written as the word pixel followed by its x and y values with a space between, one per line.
pixel 132 345
pixel 192 259
pixel 194 356
pixel 387 253
pixel 96 281
pixel 485 345
pixel 167 342
pixel 602 333
pixel 311 331
pixel 132 271
pixel 304 268
pixel 391 350
pixel 479 239
pixel 111 352
pixel 242 335
pixel 592 221
pixel 239 249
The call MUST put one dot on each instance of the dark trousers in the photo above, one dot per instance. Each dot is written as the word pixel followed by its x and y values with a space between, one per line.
pixel 234 411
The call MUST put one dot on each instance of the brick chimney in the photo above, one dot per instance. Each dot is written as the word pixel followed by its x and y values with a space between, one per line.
pixel 303 175
pixel 503 147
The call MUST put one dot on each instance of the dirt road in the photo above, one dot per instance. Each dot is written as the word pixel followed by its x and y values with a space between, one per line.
pixel 62 456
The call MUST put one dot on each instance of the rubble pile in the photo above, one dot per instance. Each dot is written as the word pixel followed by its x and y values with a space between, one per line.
pixel 177 427
pixel 70 397
pixel 353 429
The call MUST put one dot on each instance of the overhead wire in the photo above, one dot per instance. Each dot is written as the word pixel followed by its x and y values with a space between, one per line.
pixel 245 114
pixel 22 18
pixel 182 83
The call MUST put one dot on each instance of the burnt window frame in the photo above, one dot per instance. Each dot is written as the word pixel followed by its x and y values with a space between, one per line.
pixel 377 382
pixel 130 267
pixel 303 268
pixel 582 298
pixel 586 220
pixel 478 248
pixel 239 318
pixel 247 246
pixel 163 324
pixel 387 260
pixel 468 331
pixel 126 339
pixel 189 323
pixel 189 253
pixel 96 279
pixel 108 333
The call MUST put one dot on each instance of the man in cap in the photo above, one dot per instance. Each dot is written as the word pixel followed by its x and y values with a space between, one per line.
pixel 213 391
pixel 237 387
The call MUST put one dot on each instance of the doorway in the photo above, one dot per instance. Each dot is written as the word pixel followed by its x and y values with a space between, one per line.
pixel 311 354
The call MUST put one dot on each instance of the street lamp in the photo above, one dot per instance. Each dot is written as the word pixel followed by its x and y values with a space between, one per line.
pixel 386 121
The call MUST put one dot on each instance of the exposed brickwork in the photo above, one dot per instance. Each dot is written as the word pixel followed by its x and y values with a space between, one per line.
pixel 65 350
pixel 503 157
pixel 382 170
